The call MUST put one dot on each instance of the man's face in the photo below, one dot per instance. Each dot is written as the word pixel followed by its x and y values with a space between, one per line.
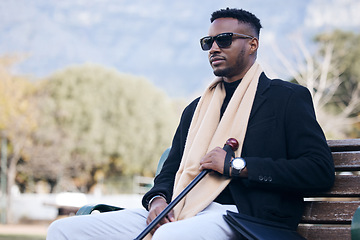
pixel 234 61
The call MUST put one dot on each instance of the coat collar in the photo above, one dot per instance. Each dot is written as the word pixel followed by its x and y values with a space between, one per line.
pixel 263 86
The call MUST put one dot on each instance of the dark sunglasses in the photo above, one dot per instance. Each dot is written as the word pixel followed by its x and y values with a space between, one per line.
pixel 223 40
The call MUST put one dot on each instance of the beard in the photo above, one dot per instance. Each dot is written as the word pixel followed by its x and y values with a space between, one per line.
pixel 233 70
pixel 222 72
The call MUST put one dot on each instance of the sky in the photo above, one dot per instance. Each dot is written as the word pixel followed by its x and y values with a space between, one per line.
pixel 157 39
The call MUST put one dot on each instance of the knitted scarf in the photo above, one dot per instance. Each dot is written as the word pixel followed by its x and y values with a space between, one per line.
pixel 206 133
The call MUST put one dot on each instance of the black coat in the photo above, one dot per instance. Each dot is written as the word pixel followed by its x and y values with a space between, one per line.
pixel 284 148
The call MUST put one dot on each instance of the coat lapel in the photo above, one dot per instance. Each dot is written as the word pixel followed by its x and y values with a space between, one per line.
pixel 264 84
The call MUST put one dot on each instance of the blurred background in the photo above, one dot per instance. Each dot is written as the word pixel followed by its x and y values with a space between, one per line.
pixel 91 91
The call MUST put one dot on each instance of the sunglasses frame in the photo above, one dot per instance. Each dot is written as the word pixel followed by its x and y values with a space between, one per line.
pixel 230 35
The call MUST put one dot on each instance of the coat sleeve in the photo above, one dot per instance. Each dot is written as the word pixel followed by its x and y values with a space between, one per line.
pixel 307 163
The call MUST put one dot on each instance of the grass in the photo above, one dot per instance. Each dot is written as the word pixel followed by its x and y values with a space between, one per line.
pixel 21 237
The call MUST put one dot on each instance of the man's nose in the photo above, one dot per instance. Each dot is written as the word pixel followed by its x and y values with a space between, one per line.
pixel 214 48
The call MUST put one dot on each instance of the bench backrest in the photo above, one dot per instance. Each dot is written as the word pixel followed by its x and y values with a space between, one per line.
pixel 328 215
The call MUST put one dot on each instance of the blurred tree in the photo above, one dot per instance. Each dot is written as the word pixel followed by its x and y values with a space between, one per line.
pixel 17 117
pixel 98 120
pixel 332 75
pixel 345 103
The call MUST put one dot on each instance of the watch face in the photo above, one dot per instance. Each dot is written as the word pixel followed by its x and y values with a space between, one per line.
pixel 238 163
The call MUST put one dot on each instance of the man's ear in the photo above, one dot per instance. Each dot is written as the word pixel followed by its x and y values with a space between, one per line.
pixel 254 45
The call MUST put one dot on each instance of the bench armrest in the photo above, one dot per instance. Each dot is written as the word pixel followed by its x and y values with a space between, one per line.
pixel 162 160
pixel 355 225
pixel 88 209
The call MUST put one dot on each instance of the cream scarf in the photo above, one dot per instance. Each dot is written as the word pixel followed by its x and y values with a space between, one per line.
pixel 206 133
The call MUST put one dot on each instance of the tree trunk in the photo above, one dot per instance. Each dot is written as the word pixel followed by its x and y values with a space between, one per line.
pixel 11 175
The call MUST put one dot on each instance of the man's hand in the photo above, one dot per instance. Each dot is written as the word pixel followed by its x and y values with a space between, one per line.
pixel 214 160
pixel 156 207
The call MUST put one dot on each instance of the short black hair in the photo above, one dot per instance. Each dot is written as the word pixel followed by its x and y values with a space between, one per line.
pixel 239 14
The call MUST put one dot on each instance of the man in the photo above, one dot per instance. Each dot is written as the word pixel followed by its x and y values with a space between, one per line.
pixel 282 153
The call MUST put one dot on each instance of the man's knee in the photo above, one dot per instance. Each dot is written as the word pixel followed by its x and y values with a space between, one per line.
pixel 55 231
pixel 169 231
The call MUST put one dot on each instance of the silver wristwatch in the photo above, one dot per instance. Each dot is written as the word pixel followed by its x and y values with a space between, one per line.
pixel 237 165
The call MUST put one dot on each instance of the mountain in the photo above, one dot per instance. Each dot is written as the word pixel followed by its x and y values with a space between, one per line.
pixel 157 39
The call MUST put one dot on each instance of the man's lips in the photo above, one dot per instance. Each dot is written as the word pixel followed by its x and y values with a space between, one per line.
pixel 216 60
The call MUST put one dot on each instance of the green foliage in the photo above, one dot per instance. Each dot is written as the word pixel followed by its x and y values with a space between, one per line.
pixel 98 120
pixel 346 52
pixel 17 123
pixel 16 109
pixel 347 49
pixel 332 75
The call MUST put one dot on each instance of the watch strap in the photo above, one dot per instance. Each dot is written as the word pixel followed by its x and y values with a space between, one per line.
pixel 227 161
pixel 235 172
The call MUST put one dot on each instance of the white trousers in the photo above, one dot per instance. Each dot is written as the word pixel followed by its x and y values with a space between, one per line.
pixel 128 224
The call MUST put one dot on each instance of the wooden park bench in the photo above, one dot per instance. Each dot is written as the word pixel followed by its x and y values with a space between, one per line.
pixel 334 214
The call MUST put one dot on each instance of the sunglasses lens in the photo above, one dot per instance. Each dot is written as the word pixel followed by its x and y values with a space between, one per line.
pixel 224 40
pixel 206 43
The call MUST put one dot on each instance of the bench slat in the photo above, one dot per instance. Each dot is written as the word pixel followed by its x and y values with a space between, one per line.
pixel 324 232
pixel 347 161
pixel 344 186
pixel 344 145
pixel 329 212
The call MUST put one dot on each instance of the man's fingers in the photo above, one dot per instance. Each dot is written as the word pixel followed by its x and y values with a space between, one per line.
pixel 154 229
pixel 151 217
pixel 170 216
pixel 205 166
pixel 155 209
pixel 154 213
